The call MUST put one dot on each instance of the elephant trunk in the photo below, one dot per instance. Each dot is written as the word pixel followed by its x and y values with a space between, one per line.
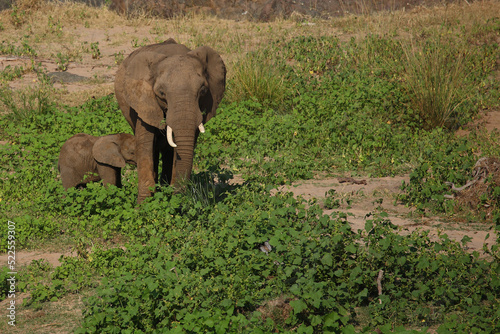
pixel 183 123
pixel 183 159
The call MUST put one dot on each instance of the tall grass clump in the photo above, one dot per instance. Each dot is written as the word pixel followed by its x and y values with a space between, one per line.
pixel 25 103
pixel 434 76
pixel 206 188
pixel 256 77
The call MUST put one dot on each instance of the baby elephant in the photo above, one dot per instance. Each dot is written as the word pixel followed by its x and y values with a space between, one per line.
pixel 85 158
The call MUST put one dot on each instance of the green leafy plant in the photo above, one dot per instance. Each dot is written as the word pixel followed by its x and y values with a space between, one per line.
pixel 17 16
pixel 94 49
pixel 4 284
pixel 330 201
pixel 24 50
pixel 119 56
pixel 55 27
pixel 428 181
pixel 217 277
pixel 136 44
pixel 10 73
pixel 62 61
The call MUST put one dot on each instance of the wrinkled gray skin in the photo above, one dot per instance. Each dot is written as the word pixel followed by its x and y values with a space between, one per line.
pixel 164 86
pixel 85 158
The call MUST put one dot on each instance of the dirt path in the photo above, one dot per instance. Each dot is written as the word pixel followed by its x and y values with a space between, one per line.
pixel 24 258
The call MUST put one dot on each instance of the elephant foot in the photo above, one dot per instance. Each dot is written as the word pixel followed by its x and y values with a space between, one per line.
pixel 142 197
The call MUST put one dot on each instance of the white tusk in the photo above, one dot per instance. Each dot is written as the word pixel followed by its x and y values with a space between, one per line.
pixel 202 129
pixel 169 137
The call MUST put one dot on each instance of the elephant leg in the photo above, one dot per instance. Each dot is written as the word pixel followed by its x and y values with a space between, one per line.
pixel 167 166
pixel 144 140
pixel 110 175
pixel 156 157
pixel 70 178
pixel 166 157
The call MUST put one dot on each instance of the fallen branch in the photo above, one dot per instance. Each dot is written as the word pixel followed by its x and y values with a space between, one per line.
pixel 482 168
pixel 467 185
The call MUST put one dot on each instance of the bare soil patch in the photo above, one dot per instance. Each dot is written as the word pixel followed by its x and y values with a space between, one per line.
pixel 362 201
pixel 24 258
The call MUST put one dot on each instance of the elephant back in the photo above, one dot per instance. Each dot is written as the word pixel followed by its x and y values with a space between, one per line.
pixel 137 64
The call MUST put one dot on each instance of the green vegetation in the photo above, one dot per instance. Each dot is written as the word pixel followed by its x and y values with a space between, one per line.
pixel 194 261
pixel 96 53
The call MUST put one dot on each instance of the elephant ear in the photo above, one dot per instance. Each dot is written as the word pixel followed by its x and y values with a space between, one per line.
pixel 138 80
pixel 216 77
pixel 141 97
pixel 106 150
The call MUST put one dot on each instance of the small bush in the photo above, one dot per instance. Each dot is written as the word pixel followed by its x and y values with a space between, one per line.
pixel 256 77
pixel 4 284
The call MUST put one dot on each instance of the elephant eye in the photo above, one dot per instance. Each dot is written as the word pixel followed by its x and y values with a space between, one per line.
pixel 203 90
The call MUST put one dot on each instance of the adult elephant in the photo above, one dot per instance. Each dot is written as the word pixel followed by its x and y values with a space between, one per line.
pixel 167 92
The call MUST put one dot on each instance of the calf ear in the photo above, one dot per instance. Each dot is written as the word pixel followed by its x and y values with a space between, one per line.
pixel 106 150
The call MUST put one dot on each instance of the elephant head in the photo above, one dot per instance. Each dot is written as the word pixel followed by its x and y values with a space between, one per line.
pixel 115 150
pixel 168 90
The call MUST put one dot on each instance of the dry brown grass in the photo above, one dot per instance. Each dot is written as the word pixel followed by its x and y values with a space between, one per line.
pixel 476 199
pixel 235 37
pixel 278 310
pixel 55 317
pixel 420 19
pixel 79 96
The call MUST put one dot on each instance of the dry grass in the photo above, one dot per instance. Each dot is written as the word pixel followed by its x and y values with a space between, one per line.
pixel 68 29
pixel 480 198
pixel 78 97
pixel 404 23
pixel 278 310
pixel 256 77
pixel 434 75
pixel 236 37
pixel 61 316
